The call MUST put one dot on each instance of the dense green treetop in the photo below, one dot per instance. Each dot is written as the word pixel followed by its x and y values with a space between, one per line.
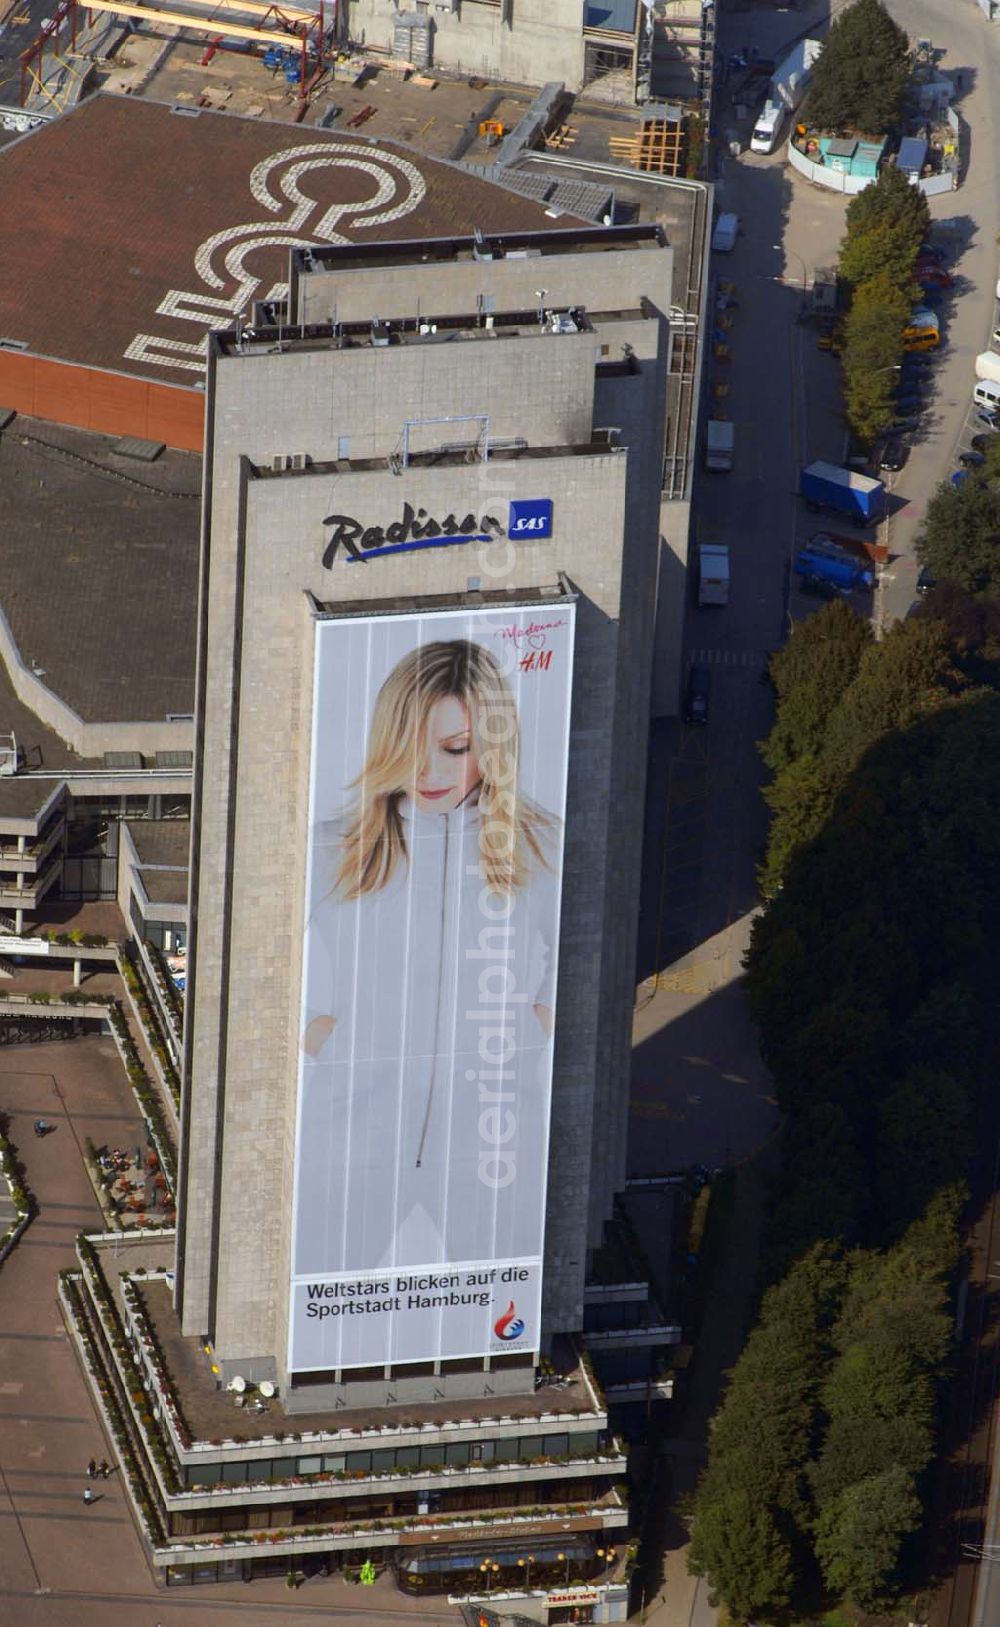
pixel 871 976
pixel 809 676
pixel 860 1533
pixel 860 77
pixel 890 202
pixel 959 540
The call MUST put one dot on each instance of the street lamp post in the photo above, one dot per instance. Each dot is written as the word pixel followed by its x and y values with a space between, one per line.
pixel 783 249
pixel 879 607
pixel 561 1558
pixel 525 1565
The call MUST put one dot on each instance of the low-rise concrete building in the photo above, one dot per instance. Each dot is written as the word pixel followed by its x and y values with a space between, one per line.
pixel 531 42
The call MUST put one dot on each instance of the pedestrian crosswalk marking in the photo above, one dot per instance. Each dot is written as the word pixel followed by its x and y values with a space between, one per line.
pixel 730 658
pixel 645 1109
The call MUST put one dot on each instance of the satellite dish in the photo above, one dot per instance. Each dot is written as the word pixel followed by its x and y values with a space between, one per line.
pixel 237 1384
pixel 266 1388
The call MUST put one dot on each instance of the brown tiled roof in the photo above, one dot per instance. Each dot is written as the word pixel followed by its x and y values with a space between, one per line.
pixel 117 204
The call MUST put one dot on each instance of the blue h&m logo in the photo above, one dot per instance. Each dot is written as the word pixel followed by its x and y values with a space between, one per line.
pixel 530 517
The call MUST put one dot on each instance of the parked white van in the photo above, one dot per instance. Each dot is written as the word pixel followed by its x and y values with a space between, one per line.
pixel 727 230
pixel 987 394
pixel 767 130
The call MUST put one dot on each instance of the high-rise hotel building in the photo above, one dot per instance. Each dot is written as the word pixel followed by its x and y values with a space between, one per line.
pixel 430 554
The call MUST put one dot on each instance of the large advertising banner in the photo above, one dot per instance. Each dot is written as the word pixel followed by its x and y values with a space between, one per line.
pixel 437 804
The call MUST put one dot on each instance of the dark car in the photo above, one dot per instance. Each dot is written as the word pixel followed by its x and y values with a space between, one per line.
pixel 982 443
pixel 971 460
pixel 925 581
pixel 893 456
pixel 986 420
pixel 699 686
pixel 816 588
pixel 930 274
pixel 931 294
pixel 933 251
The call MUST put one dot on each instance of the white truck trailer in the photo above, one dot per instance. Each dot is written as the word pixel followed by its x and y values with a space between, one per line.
pixel 790 79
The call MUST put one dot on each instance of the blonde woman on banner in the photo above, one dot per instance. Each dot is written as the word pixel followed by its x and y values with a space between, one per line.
pixel 430 981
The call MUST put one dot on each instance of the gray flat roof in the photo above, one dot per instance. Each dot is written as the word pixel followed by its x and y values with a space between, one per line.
pixel 161 841
pixel 100 571
pixel 39 749
pixel 165 886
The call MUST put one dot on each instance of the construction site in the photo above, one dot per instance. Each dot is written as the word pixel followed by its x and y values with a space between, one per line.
pixel 645 104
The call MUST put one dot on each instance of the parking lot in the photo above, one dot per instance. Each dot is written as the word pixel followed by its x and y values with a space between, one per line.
pixel 706 821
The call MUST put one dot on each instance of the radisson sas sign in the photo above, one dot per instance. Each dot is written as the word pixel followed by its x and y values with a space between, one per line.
pixel 528 519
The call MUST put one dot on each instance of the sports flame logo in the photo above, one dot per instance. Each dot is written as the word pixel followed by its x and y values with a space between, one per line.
pixel 509 1325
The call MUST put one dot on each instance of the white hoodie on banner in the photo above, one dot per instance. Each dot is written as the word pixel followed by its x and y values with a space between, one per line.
pixel 425 1112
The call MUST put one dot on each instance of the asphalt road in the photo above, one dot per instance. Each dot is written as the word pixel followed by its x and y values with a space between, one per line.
pixel 706 823
pixel 699 1091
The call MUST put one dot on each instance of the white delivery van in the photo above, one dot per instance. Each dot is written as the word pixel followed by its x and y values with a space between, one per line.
pixel 767 131
pixel 727 230
pixel 988 366
pixel 713 574
pixel 987 394
pixel 720 441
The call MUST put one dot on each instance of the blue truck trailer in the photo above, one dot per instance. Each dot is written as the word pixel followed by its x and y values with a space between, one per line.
pixel 827 485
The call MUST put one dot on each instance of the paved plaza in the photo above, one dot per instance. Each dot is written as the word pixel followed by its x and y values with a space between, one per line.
pixel 63 1564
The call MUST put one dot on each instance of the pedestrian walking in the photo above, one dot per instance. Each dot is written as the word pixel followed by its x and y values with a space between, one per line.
pixel 92 1469
pixel 88 1494
pixel 104 1469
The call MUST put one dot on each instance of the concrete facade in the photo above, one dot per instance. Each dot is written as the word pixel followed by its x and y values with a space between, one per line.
pixel 547 395
pixel 527 42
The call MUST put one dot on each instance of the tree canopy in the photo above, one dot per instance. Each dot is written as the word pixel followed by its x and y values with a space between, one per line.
pixel 871 977
pixel 886 224
pixel 824 724
pixel 892 213
pixel 959 540
pixel 860 77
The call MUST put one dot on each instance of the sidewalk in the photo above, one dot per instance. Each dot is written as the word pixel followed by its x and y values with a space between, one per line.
pixel 682 1600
